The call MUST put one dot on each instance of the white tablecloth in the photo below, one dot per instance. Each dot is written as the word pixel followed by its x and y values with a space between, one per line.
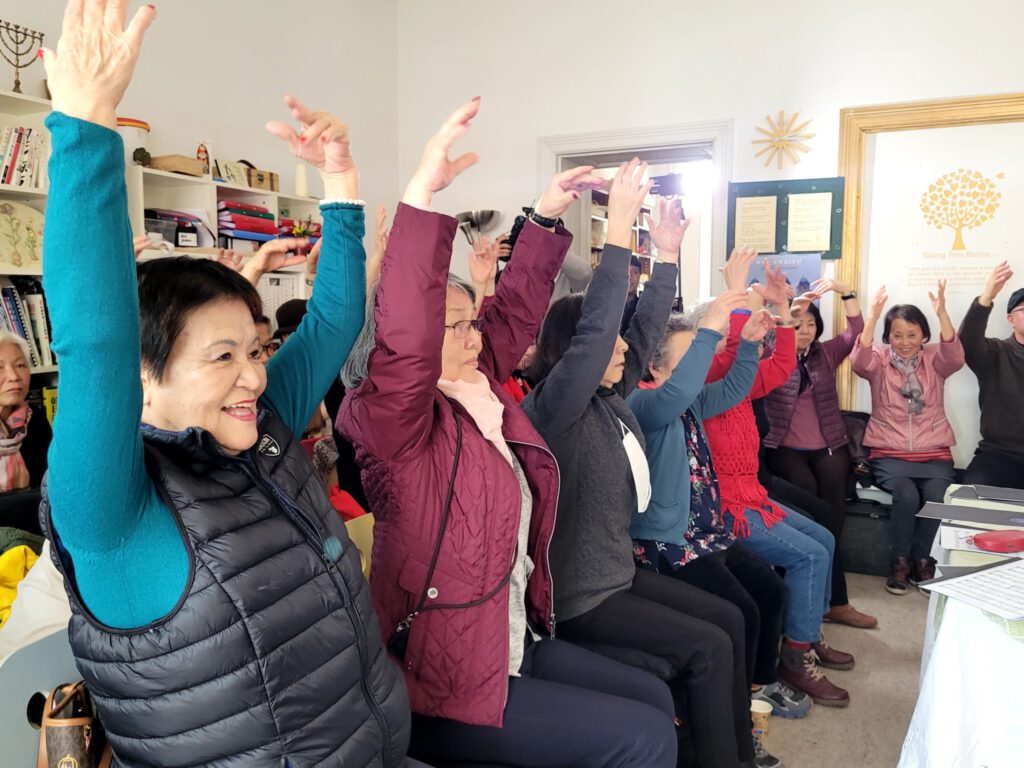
pixel 970 710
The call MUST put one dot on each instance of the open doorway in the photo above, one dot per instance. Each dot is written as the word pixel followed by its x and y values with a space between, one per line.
pixel 699 154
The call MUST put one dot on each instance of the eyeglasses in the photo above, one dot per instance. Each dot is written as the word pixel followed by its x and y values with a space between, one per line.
pixel 268 350
pixel 463 327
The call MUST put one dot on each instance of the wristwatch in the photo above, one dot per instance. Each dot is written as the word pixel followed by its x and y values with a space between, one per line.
pixel 543 221
pixel 848 296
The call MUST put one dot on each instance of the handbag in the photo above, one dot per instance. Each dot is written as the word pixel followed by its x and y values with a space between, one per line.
pixel 398 644
pixel 70 733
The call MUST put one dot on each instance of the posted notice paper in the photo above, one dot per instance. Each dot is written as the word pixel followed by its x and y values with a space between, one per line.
pixel 755 223
pixel 810 222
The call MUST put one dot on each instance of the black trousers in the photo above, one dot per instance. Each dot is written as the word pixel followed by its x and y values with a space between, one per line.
pixel 911 484
pixel 823 478
pixel 753 586
pixel 999 469
pixel 570 708
pixel 702 637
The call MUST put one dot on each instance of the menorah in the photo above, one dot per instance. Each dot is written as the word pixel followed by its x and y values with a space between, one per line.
pixel 18 41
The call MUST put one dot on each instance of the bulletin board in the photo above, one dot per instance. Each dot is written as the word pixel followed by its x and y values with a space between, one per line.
pixel 792 215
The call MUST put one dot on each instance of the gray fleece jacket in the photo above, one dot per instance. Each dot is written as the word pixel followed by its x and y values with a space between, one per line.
pixel 591 552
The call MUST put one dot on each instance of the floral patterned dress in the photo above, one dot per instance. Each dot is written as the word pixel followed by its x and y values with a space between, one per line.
pixel 706 532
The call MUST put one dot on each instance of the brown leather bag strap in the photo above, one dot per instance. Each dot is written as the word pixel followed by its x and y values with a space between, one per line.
pixel 43 761
pixel 71 692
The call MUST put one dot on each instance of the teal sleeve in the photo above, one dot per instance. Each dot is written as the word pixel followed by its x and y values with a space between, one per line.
pixel 302 371
pixel 719 396
pixel 130 563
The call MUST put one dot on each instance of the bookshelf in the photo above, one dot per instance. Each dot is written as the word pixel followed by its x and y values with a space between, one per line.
pixel 151 188
pixel 641 238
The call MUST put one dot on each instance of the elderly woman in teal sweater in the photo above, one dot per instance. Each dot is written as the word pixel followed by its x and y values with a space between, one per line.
pixel 219 614
pixel 682 533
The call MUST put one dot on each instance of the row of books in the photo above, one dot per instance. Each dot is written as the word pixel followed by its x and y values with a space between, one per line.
pixel 239 217
pixel 23 312
pixel 23 152
pixel 43 400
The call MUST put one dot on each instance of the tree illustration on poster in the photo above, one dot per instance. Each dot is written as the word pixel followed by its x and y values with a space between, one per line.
pixel 961 199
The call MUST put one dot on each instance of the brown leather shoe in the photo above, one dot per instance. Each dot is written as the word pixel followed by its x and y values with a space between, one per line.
pixel 798 670
pixel 922 569
pixel 896 584
pixel 850 616
pixel 830 657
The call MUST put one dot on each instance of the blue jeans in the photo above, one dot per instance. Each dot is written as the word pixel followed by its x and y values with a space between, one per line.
pixel 805 549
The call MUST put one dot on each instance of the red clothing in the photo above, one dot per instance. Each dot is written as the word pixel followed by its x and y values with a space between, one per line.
pixel 405 434
pixel 733 435
pixel 517 389
pixel 941 454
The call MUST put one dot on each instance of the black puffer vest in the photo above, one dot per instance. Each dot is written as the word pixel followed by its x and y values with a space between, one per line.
pixel 781 402
pixel 273 656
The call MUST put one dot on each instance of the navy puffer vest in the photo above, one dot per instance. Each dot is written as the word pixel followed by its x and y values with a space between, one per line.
pixel 273 656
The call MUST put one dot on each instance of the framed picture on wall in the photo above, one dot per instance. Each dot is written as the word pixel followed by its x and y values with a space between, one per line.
pixel 934 190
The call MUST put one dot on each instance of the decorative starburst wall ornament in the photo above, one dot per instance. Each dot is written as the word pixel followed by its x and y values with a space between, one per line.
pixel 783 138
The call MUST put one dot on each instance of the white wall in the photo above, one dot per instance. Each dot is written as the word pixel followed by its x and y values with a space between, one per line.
pixel 546 68
pixel 219 70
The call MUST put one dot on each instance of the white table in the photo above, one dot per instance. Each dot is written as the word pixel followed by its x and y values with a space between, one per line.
pixel 970 709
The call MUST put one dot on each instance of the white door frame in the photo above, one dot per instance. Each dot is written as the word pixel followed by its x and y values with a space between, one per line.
pixel 717 133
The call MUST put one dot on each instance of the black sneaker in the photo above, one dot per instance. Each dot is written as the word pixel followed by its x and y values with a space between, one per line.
pixel 764 759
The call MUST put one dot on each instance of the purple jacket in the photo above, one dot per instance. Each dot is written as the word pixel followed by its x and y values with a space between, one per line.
pixel 404 430
pixel 822 360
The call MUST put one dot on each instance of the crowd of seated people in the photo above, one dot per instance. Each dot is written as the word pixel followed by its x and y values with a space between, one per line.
pixel 576 561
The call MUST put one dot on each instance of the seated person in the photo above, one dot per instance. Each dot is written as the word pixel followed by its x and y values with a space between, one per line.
pixel 999 366
pixel 683 534
pixel 772 531
pixel 806 442
pixel 24 435
pixel 464 493
pixel 908 433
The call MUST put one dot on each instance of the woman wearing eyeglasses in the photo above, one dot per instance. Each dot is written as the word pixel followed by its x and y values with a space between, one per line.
pixel 464 493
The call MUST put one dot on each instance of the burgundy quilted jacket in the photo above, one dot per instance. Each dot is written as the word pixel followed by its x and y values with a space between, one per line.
pixel 404 430
pixel 822 360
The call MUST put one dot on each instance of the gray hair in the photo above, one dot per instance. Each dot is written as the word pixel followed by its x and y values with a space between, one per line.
pixel 354 371
pixel 6 337
pixel 678 322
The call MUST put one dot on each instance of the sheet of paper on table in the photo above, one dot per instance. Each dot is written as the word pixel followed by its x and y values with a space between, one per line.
pixel 998 588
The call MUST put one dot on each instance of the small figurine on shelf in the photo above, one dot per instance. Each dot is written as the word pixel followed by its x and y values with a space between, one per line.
pixel 203 153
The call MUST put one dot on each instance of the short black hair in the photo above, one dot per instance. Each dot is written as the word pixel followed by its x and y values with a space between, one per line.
pixel 171 289
pixel 261 320
pixel 908 313
pixel 556 334
pixel 634 261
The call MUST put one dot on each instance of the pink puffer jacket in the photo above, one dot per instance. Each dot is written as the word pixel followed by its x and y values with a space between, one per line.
pixel 404 430
pixel 892 426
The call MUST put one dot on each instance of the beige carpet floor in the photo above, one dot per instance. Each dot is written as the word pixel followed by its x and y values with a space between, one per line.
pixel 883 687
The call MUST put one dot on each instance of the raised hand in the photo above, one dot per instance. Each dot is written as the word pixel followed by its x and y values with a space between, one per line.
pixel 233 260
pixel 625 198
pixel 437 170
pixel 504 249
pixel 323 143
pixel 758 325
pixel 95 58
pixel 996 280
pixel 717 317
pixel 737 269
pixel 565 188
pixel 141 243
pixel 938 299
pixel 823 285
pixel 667 235
pixel 803 301
pixel 272 255
pixel 777 291
pixel 878 302
pixel 483 264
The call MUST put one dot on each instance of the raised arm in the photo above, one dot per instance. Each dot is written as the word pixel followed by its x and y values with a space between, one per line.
pixel 303 369
pixel 735 273
pixel 562 396
pixel 647 325
pixel 719 396
pixel 949 357
pixel 656 408
pixel 838 348
pixel 515 314
pixel 96 494
pixel 391 411
pixel 979 350
pixel 864 358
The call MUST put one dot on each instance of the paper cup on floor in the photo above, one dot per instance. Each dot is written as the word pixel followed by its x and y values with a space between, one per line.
pixel 761 715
